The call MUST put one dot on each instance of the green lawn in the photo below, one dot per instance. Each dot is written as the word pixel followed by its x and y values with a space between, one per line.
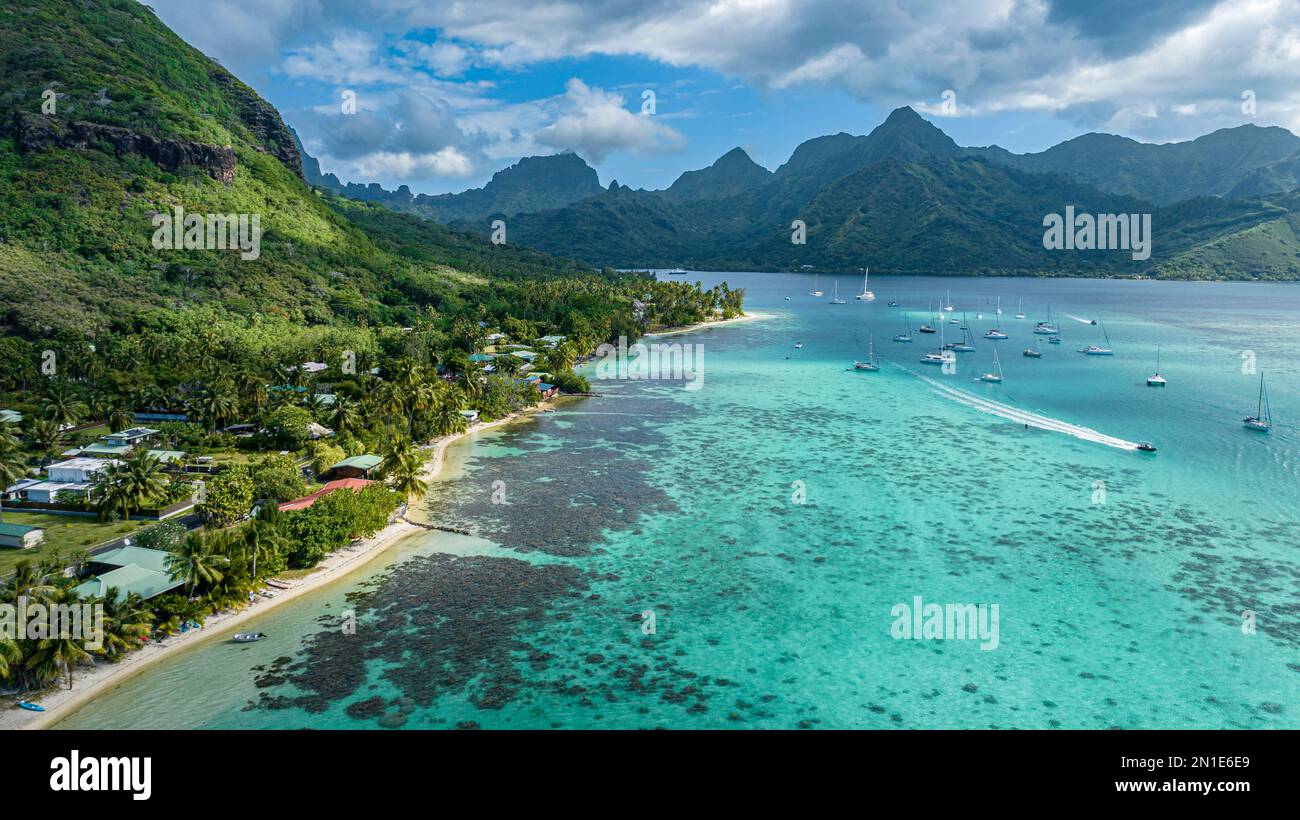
pixel 65 533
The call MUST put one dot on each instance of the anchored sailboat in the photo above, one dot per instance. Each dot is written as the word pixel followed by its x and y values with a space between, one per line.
pixel 996 375
pixel 906 335
pixel 1097 350
pixel 929 307
pixel 1157 380
pixel 866 295
pixel 1033 352
pixel 816 291
pixel 996 333
pixel 937 357
pixel 1262 421
pixel 1020 308
pixel 835 297
pixel 872 364
pixel 1046 328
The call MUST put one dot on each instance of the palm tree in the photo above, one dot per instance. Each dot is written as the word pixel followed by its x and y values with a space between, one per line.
pixel 397 449
pixel 119 417
pixel 560 358
pixel 44 437
pixel 448 419
pixel 12 464
pixel 109 491
pixel 216 405
pixel 126 622
pixel 56 656
pixel 195 561
pixel 10 653
pixel 141 480
pixel 345 417
pixel 263 539
pixel 62 406
pixel 404 476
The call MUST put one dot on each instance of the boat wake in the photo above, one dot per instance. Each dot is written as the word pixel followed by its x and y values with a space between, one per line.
pixel 1080 319
pixel 1025 417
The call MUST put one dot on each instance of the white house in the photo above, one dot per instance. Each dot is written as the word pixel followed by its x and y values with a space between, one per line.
pixel 73 476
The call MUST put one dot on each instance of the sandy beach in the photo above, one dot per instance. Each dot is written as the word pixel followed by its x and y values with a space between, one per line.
pixel 751 316
pixel 91 681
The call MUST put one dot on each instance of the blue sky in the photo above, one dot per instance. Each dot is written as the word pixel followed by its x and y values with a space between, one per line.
pixel 446 93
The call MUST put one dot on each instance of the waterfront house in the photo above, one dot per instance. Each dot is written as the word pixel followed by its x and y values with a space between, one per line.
pixel 20 536
pixel 355 467
pixel 471 416
pixel 129 569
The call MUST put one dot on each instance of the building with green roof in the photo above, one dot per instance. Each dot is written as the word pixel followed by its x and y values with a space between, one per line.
pixel 20 535
pixel 134 570
pixel 356 466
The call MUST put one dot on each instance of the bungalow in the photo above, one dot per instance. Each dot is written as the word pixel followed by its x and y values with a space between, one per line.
pixel 355 467
pixel 495 337
pixel 144 572
pixel 101 449
pixel 131 437
pixel 553 341
pixel 471 416
pixel 354 484
pixel 20 536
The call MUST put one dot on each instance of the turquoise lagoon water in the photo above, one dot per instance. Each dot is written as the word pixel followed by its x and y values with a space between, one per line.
pixel 1120 577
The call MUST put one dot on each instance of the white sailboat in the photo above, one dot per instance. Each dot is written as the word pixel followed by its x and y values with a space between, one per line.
pixel 1157 380
pixel 816 291
pixel 1020 308
pixel 835 296
pixel 906 335
pixel 872 364
pixel 999 311
pixel 1262 421
pixel 947 301
pixel 938 357
pixel 996 333
pixel 866 295
pixel 996 375
pixel 929 306
pixel 1098 350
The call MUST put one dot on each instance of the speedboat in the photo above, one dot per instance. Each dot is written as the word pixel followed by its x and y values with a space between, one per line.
pixel 798 345
pixel 1146 447
pixel 249 637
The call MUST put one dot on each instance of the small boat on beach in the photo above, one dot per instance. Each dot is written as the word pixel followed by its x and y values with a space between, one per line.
pixel 249 637
pixel 277 584
pixel 29 706
pixel 1262 421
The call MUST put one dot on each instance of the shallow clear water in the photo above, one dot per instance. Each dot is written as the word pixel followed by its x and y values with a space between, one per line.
pixel 1120 577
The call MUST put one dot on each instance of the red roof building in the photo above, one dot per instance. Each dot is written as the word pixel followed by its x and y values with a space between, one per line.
pixel 354 484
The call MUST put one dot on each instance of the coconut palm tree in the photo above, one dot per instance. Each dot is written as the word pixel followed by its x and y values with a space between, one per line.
pixel 57 656
pixel 12 464
pixel 119 417
pixel 44 437
pixel 195 561
pixel 404 476
pixel 397 449
pixel 345 417
pixel 62 405
pixel 448 419
pixel 126 622
pixel 141 480
pixel 216 405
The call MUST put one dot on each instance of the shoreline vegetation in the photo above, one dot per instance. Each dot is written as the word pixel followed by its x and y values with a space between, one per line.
pixel 61 702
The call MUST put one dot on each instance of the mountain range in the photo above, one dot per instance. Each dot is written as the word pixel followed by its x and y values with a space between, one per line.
pixel 907 198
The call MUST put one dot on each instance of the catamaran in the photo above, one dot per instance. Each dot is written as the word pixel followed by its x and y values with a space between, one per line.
pixel 872 364
pixel 1157 380
pixel 1096 350
pixel 835 297
pixel 1020 308
pixel 996 375
pixel 1262 421
pixel 866 295
pixel 1046 328
pixel 816 291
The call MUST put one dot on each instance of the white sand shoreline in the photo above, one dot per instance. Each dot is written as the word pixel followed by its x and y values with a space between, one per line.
pixel 747 317
pixel 90 682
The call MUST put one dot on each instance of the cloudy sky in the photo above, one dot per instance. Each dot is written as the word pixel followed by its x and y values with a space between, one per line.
pixel 441 93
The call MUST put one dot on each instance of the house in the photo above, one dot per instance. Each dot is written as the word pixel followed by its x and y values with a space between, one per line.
pixel 131 437
pixel 168 457
pixel 16 491
pixel 318 431
pixel 314 367
pixel 481 357
pixel 131 570
pixel 471 416
pixel 102 449
pixel 20 535
pixel 355 467
pixel 495 337
pixel 354 484
pixel 73 476
pixel 547 390
pixel 553 341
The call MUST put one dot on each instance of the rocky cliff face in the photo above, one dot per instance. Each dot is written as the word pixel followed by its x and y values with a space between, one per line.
pixel 31 133
pixel 263 121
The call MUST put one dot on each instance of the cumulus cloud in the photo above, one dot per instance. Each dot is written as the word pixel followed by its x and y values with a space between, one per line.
pixel 594 123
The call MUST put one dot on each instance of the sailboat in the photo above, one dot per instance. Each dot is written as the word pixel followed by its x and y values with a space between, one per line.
pixel 1020 308
pixel 938 357
pixel 964 346
pixel 996 333
pixel 1157 380
pixel 816 291
pixel 1033 352
pixel 1046 328
pixel 835 297
pixel 1096 350
pixel 894 302
pixel 872 364
pixel 996 375
pixel 1262 421
pixel 866 295
pixel 929 306
pixel 947 301
pixel 999 310
pixel 906 335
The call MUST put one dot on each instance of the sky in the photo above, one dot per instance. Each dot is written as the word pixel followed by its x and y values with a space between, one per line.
pixel 439 94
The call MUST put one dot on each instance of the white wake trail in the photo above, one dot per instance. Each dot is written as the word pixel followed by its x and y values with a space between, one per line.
pixel 1080 319
pixel 1026 417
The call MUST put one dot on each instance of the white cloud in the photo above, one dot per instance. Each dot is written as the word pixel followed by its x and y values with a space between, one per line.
pixel 594 123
